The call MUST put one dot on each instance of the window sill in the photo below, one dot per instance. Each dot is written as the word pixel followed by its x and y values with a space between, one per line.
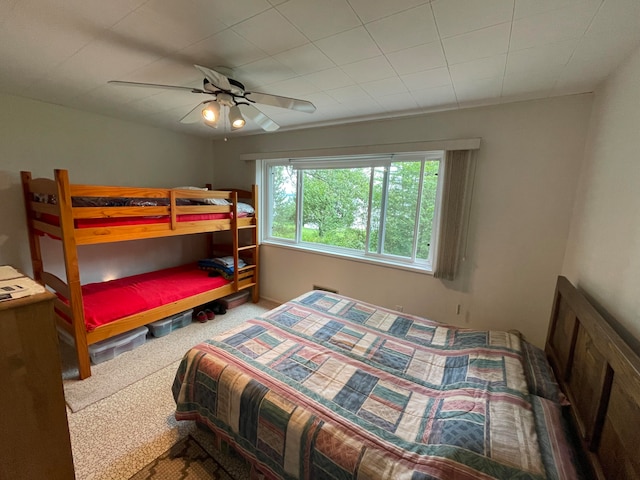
pixel 362 259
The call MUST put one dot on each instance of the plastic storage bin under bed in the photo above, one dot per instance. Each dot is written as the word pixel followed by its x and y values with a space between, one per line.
pixel 167 325
pixel 235 299
pixel 111 347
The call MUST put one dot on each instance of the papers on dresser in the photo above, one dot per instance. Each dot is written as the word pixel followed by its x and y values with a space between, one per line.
pixel 14 284
pixel 7 272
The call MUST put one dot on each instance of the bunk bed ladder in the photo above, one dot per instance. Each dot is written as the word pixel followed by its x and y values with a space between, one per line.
pixel 252 248
pixel 255 292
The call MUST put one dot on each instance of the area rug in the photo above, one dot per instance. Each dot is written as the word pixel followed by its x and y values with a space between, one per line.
pixel 127 368
pixel 186 460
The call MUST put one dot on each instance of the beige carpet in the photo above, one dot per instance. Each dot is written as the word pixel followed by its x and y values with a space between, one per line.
pixel 111 376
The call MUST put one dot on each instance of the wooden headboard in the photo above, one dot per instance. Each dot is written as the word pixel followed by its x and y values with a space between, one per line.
pixel 600 374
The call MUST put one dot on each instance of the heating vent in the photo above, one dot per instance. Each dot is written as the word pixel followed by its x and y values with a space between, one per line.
pixel 326 289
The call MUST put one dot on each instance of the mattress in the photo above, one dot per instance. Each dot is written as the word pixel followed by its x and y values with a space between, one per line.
pixel 326 386
pixel 108 301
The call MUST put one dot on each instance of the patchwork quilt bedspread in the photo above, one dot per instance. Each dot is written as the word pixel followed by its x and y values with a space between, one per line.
pixel 326 386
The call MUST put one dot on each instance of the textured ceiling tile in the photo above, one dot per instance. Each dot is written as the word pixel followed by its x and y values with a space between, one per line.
pixel 305 59
pixel 349 47
pixel 418 58
pixel 320 19
pixel 369 10
pixel 403 30
pixel 271 32
pixel 455 17
pixel 483 43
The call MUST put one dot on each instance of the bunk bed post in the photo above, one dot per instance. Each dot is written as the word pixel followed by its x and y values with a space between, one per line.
pixel 34 240
pixel 255 291
pixel 209 235
pixel 73 273
pixel 235 238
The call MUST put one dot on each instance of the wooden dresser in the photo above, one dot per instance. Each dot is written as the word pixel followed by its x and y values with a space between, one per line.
pixel 34 438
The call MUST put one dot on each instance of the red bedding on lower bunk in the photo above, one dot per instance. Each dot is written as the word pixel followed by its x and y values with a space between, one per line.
pixel 108 301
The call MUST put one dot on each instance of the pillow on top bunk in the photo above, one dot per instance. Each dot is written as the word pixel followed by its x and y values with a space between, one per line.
pixel 213 201
pixel 245 208
pixel 242 207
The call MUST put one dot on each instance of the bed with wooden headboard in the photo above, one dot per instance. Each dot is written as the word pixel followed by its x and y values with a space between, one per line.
pixel 600 375
pixel 327 386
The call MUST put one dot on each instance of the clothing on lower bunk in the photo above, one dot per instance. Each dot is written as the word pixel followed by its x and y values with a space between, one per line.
pixel 222 265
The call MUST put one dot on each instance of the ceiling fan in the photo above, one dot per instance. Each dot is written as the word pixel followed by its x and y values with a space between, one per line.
pixel 229 93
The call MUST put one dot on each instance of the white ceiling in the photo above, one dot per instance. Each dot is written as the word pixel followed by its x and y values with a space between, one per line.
pixel 354 59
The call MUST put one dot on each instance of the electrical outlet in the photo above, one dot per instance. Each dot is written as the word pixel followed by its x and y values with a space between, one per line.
pixel 458 310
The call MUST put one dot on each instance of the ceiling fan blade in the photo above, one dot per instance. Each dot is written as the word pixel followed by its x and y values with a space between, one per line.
pixel 216 78
pixel 282 102
pixel 194 115
pixel 258 117
pixel 157 85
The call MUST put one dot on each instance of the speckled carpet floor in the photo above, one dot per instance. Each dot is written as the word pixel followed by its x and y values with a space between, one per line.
pixel 131 423
pixel 156 353
pixel 186 460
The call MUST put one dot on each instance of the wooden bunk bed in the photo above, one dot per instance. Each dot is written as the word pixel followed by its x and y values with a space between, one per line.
pixel 90 214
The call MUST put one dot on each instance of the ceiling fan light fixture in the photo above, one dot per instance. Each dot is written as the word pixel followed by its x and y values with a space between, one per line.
pixel 235 118
pixel 225 92
pixel 211 114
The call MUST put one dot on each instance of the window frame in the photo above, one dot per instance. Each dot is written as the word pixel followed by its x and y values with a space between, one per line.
pixel 354 161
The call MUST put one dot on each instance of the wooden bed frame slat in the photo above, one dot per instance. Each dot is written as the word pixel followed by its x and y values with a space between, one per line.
pixel 96 235
pixel 78 190
pixel 58 285
pixel 47 228
pixel 600 374
pixel 198 209
pixel 40 207
pixel 72 237
pixel 118 212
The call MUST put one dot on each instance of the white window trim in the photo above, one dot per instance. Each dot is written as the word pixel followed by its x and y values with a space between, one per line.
pixel 262 179
pixel 379 263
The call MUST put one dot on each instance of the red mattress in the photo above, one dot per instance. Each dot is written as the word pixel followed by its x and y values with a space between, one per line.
pixel 114 222
pixel 108 301
pixel 118 221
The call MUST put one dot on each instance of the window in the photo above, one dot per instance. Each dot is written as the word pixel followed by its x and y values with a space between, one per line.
pixel 377 208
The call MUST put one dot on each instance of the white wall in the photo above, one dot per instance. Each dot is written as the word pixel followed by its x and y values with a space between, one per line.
pixel 603 252
pixel 40 137
pixel 526 178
